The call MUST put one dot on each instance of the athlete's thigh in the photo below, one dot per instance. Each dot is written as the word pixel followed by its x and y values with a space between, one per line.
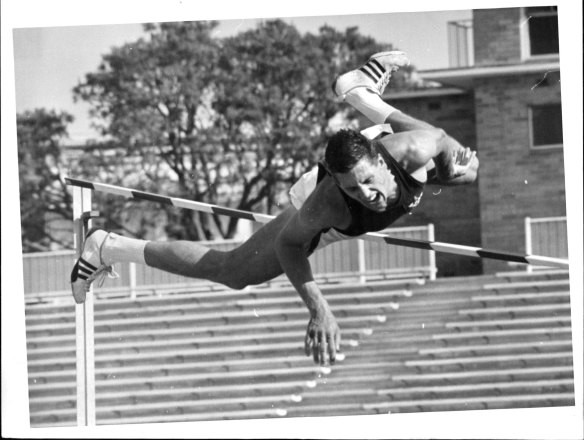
pixel 256 259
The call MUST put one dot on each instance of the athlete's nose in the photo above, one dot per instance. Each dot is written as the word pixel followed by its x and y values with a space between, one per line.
pixel 366 193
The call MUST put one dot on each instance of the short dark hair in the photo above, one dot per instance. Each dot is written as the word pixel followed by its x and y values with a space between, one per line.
pixel 345 148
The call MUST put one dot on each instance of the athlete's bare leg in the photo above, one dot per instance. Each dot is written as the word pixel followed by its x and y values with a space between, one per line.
pixel 253 262
pixel 378 111
pixel 401 121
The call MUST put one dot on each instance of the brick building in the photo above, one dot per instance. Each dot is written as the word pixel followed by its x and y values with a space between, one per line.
pixel 507 104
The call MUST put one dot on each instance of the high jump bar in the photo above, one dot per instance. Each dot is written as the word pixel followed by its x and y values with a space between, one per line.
pixel 437 246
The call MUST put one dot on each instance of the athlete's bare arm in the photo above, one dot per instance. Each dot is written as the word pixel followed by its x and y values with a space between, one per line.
pixel 433 151
pixel 323 209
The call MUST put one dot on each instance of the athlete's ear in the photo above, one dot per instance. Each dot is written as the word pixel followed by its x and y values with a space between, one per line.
pixel 380 159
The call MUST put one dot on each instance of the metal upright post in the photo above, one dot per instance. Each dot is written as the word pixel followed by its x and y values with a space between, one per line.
pixel 84 318
pixel 361 261
pixel 132 278
pixel 432 254
pixel 528 243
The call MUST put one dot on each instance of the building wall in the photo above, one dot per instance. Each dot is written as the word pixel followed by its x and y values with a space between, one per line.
pixel 454 211
pixel 497 36
pixel 516 181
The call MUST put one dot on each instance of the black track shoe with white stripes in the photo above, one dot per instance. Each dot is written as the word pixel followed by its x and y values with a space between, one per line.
pixel 89 265
pixel 373 75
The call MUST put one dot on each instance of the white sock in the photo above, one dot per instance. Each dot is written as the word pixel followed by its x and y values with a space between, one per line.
pixel 117 248
pixel 370 104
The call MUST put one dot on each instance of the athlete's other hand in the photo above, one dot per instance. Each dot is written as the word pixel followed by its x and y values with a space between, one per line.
pixel 461 161
pixel 323 338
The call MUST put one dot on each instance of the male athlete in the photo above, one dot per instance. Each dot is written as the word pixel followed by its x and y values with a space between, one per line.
pixel 363 185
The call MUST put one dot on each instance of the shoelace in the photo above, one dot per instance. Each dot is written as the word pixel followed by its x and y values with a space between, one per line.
pixel 101 273
pixel 383 81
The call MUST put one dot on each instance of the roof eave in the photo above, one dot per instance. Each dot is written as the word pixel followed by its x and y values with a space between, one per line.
pixel 463 77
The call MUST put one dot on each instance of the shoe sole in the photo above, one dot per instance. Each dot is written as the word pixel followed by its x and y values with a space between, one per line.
pixel 389 52
pixel 379 55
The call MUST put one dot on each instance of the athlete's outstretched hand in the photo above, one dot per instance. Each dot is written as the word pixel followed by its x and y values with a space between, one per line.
pixel 323 338
pixel 461 161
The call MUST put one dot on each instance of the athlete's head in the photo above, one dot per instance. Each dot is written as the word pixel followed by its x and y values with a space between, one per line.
pixel 347 147
pixel 359 170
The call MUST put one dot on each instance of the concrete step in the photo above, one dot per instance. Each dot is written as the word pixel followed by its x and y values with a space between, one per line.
pixel 482 402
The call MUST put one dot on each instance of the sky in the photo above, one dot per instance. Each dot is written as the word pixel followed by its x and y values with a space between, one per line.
pixel 41 71
pixel 50 61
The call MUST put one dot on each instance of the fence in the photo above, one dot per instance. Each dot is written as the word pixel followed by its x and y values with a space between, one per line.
pixel 47 274
pixel 546 236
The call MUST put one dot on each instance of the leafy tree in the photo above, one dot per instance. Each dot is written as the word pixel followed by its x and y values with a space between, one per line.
pixel 151 96
pixel 232 121
pixel 44 199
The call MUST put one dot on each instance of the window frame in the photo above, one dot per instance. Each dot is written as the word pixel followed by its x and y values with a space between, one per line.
pixel 533 147
pixel 525 40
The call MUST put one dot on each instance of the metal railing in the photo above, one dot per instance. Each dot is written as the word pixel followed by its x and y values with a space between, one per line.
pixel 546 236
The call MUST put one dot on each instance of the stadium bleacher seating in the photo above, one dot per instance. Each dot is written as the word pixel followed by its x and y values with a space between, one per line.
pixel 493 341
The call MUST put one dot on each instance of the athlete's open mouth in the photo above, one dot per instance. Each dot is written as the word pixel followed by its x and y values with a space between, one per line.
pixel 376 202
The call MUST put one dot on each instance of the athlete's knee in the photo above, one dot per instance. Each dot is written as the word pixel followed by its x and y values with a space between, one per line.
pixel 235 278
pixel 233 273
pixel 236 284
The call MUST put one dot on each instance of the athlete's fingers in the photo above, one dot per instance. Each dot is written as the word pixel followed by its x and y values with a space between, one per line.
pixel 315 352
pixel 457 156
pixel 332 349
pixel 460 156
pixel 464 156
pixel 322 351
pixel 308 343
pixel 337 340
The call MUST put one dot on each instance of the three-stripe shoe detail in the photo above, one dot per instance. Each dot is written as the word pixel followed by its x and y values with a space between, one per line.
pixel 377 73
pixel 374 75
pixel 89 266
pixel 373 69
pixel 85 269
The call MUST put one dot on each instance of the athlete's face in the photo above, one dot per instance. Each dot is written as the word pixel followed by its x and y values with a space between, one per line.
pixel 371 183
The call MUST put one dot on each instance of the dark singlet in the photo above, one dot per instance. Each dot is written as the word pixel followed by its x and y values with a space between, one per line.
pixel 364 219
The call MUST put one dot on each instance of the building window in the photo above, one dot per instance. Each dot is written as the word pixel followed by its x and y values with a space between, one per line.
pixel 545 126
pixel 541 31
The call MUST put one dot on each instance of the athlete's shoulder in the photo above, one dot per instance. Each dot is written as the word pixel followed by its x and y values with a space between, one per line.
pixel 325 207
pixel 411 149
